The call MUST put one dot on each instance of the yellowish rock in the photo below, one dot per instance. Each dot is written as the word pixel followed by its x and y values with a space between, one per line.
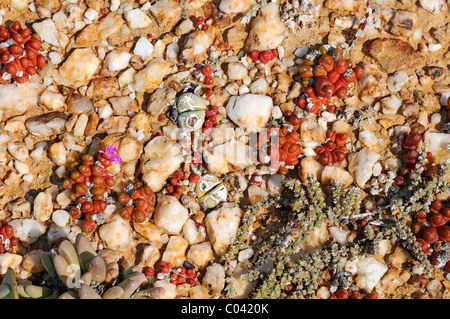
pixel 167 13
pixel 79 67
pixel 101 30
pixel 333 172
pixel 175 251
pixel 200 254
pixel 267 31
pixel 149 78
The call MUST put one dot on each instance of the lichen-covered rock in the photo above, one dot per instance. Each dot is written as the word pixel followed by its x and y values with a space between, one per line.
pixel 161 158
pixel 170 214
pixel 267 31
pixel 222 225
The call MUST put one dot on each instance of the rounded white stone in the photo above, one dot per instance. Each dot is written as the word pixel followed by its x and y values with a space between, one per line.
pixel 60 217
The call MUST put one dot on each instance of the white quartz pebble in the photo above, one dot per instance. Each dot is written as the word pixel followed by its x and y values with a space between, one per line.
pixel 143 48
pixel 60 217
pixel 117 60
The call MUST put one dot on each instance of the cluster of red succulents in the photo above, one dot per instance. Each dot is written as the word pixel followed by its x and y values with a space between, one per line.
pixel 334 149
pixel 211 116
pixel 19 53
pixel 343 293
pixel 7 237
pixel 286 148
pixel 433 229
pixel 264 56
pixel 207 72
pixel 139 205
pixel 200 23
pixel 174 186
pixel 90 183
pixel 410 144
pixel 329 74
pixel 178 276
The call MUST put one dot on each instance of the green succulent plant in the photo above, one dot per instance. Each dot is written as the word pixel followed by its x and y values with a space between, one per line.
pixel 9 289
pixel 210 191
pixel 86 275
pixel 190 111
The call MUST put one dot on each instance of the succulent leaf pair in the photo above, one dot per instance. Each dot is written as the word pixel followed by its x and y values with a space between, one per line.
pixel 9 289
pixel 210 191
pixel 190 110
pixel 80 269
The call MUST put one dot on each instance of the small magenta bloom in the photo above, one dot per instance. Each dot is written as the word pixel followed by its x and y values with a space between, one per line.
pixel 111 153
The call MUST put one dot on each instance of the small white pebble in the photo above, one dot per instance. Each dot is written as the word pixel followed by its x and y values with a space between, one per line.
pixel 276 112
pixel 417 269
pixel 60 217
pixel 21 168
pixel 377 168
pixel 28 177
pixel 308 151
pixel 435 118
pixel 434 47
pixel 299 52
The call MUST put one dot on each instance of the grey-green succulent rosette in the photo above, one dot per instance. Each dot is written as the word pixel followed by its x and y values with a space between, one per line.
pixel 189 111
pixel 210 191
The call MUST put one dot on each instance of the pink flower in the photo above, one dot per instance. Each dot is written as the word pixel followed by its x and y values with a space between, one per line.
pixel 111 153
